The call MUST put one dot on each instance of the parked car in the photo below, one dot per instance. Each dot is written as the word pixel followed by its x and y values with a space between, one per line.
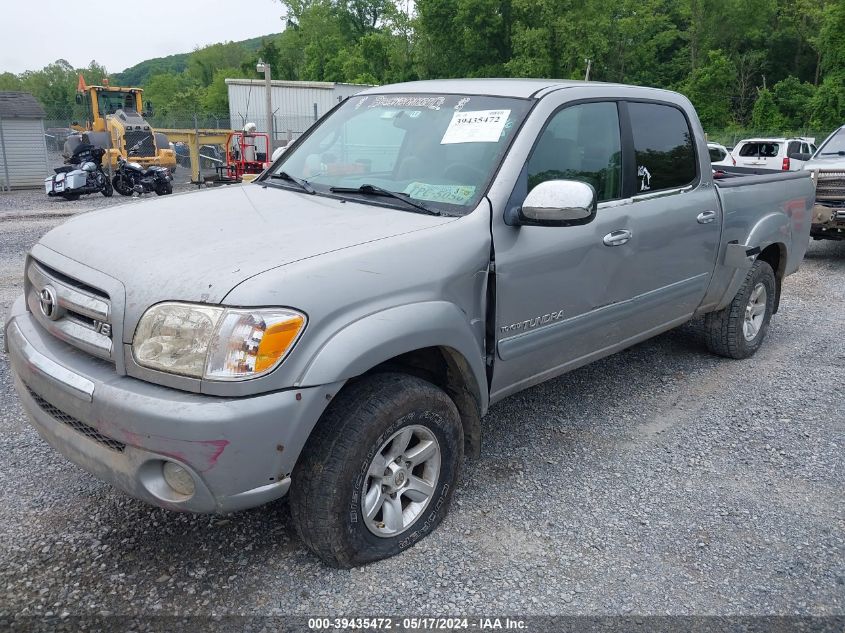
pixel 786 154
pixel 338 329
pixel 720 156
pixel 828 169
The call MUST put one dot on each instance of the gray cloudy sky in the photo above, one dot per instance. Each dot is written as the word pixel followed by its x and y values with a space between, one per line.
pixel 119 34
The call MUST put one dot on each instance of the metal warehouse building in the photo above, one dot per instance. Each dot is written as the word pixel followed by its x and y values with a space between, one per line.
pixel 23 152
pixel 296 104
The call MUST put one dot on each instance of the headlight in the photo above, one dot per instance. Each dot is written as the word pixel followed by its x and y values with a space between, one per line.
pixel 213 342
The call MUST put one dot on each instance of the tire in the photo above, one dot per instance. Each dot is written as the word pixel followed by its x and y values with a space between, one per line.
pixel 70 196
pixel 369 420
pixel 118 184
pixel 107 189
pixel 727 332
pixel 164 189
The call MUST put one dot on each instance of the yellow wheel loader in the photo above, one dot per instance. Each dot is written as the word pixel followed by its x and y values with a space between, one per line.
pixel 115 123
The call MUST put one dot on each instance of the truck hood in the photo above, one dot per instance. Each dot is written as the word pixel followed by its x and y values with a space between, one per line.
pixel 825 162
pixel 198 246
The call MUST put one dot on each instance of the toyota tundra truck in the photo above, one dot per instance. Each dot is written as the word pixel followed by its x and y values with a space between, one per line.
pixel 337 330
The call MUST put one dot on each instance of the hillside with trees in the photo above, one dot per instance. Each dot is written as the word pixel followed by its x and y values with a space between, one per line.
pixel 748 65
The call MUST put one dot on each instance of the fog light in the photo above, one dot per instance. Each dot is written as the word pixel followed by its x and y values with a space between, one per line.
pixel 178 478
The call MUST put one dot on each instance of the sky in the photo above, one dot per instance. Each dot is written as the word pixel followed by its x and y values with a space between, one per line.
pixel 34 33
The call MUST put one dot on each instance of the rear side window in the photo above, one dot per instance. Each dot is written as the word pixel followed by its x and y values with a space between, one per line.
pixel 663 146
pixel 760 150
pixel 716 154
pixel 581 142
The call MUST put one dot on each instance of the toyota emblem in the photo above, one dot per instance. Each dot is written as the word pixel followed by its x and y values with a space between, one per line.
pixel 49 303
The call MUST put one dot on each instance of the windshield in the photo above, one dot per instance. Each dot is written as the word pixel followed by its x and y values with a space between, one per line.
pixel 835 144
pixel 716 154
pixel 760 149
pixel 439 150
pixel 110 101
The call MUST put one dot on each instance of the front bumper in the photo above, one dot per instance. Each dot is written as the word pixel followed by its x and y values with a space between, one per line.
pixel 239 451
pixel 828 221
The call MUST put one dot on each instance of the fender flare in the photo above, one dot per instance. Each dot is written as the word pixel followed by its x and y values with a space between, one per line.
pixel 378 337
pixel 772 228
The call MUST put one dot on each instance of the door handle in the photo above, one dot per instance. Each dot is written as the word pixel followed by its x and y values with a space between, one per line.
pixel 617 238
pixel 706 217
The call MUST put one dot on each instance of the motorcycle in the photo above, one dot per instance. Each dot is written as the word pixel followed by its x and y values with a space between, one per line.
pixel 82 174
pixel 133 178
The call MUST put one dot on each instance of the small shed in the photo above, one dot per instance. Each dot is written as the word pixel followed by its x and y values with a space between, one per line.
pixel 23 150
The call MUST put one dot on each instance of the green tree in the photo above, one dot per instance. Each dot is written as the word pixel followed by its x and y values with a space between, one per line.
pixel 710 88
pixel 793 99
pixel 827 106
pixel 10 81
pixel 204 61
pixel 765 116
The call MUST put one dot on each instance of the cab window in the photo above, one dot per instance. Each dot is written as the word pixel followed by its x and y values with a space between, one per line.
pixel 663 147
pixel 581 142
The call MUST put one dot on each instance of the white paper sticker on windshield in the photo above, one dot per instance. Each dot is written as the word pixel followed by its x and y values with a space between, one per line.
pixel 479 126
pixel 452 194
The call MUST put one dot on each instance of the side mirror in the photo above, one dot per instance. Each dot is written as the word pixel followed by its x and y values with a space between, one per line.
pixel 558 203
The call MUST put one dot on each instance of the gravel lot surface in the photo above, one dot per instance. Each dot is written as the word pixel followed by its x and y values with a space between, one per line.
pixel 660 480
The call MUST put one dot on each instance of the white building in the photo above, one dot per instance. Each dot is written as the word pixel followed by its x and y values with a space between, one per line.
pixel 296 104
pixel 23 151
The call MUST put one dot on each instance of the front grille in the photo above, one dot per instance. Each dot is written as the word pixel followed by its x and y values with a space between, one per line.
pixel 830 185
pixel 78 313
pixel 77 425
pixel 139 143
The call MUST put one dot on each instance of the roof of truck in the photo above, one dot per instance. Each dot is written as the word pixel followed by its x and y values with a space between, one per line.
pixel 501 87
pixel 774 139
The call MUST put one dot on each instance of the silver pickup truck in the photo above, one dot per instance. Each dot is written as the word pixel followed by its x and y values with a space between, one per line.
pixel 828 169
pixel 339 328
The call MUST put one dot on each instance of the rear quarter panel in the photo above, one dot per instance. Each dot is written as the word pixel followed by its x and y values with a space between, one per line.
pixel 759 211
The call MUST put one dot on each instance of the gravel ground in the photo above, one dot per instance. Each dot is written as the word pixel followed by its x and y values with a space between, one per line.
pixel 662 480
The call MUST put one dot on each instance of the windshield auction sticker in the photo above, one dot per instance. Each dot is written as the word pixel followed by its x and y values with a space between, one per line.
pixel 451 194
pixel 479 126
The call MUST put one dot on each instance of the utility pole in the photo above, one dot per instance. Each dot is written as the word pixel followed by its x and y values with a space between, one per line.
pixel 264 67
pixel 589 63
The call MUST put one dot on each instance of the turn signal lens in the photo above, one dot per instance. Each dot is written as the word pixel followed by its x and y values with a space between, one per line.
pixel 250 343
pixel 277 340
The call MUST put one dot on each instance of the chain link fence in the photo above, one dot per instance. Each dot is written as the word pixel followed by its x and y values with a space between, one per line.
pixel 287 127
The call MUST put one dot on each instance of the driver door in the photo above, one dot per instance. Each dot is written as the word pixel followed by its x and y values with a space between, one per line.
pixel 559 289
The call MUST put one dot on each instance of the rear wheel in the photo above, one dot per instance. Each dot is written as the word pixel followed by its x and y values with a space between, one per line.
pixel 377 474
pixel 738 330
pixel 70 196
pixel 164 189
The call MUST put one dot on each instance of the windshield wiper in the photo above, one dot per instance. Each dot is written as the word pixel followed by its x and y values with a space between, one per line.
pixel 303 184
pixel 839 153
pixel 372 190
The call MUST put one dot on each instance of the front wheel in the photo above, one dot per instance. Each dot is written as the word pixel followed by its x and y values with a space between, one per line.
pixel 378 471
pixel 122 186
pixel 738 330
pixel 107 189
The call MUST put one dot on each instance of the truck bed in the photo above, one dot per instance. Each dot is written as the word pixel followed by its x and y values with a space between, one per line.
pixel 737 176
